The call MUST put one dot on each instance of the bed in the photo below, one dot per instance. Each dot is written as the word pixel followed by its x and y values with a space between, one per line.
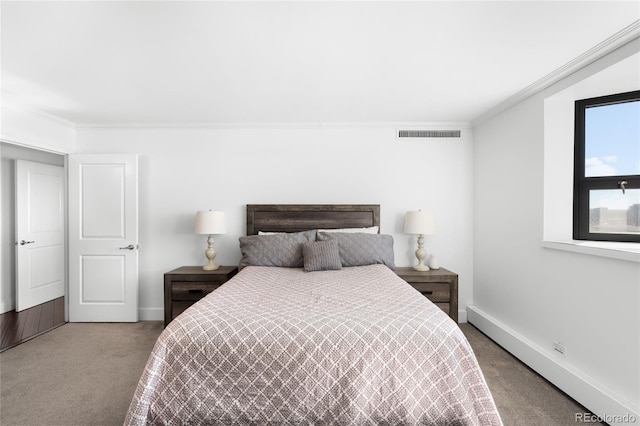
pixel 315 328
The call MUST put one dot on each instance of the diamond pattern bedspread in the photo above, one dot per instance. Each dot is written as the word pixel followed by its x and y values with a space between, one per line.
pixel 357 346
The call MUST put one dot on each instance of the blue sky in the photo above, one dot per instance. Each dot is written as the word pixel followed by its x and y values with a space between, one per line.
pixel 613 140
pixel 613 148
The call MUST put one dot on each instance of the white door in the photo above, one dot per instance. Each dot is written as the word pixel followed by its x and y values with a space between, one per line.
pixel 40 245
pixel 103 238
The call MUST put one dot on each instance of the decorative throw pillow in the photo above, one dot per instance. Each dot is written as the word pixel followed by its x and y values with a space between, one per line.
pixel 283 250
pixel 362 249
pixel 321 256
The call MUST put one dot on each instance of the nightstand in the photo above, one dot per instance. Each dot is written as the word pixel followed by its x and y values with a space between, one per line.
pixel 438 285
pixel 186 285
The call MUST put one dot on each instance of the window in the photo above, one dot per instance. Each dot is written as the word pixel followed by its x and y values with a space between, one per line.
pixel 606 194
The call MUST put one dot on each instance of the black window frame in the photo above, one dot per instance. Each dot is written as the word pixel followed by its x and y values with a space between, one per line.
pixel 582 184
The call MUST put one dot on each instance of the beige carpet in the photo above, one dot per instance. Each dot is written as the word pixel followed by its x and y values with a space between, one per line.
pixel 85 374
pixel 77 374
pixel 522 396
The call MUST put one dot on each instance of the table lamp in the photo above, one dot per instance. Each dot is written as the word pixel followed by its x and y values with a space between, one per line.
pixel 421 223
pixel 210 223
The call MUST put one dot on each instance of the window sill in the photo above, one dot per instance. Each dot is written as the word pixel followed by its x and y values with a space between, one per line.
pixel 621 251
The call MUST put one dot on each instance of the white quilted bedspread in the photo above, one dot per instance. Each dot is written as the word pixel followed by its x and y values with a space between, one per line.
pixel 357 346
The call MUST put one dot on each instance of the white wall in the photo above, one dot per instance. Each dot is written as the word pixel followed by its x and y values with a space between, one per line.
pixel 183 170
pixel 525 295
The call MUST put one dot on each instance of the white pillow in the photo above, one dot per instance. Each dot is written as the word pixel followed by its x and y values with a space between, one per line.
pixel 369 230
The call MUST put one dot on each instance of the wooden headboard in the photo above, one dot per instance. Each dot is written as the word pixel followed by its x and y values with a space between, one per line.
pixel 302 217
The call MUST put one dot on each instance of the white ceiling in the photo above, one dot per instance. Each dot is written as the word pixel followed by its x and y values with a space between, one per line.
pixel 152 62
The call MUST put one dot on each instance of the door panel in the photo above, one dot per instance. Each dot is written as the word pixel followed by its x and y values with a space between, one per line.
pixel 103 238
pixel 103 206
pixel 103 279
pixel 40 245
pixel 47 266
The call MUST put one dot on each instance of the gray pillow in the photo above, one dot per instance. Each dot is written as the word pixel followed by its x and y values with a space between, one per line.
pixel 321 256
pixel 283 250
pixel 362 249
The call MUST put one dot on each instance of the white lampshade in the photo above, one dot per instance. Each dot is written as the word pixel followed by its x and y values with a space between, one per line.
pixel 419 222
pixel 210 222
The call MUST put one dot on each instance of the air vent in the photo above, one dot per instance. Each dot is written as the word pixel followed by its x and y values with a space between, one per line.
pixel 421 134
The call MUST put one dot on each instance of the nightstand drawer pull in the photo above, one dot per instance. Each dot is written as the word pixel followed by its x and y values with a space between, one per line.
pixel 437 292
pixel 191 290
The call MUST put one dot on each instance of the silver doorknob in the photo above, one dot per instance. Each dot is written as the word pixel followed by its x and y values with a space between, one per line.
pixel 23 242
pixel 129 247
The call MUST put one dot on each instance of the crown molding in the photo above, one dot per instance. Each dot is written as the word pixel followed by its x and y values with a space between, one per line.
pixel 38 113
pixel 616 41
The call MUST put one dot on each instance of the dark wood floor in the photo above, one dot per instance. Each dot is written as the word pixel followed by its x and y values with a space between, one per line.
pixel 18 327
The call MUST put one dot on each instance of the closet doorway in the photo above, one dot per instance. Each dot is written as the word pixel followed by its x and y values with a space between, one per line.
pixel 49 311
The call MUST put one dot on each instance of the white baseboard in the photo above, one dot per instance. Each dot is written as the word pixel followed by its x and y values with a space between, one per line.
pixel 596 397
pixel 462 315
pixel 151 314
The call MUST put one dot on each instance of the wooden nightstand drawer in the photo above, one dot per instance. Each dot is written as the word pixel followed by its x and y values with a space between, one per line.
pixel 444 306
pixel 178 307
pixel 440 286
pixel 436 292
pixel 191 290
pixel 186 285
